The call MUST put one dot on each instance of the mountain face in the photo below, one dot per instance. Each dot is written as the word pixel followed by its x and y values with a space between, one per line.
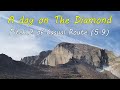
pixel 10 69
pixel 84 71
pixel 35 60
pixel 66 60
pixel 8 64
pixel 114 66
pixel 64 52
pixel 15 69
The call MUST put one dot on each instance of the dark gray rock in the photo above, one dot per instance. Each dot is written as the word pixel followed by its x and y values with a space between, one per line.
pixel 36 60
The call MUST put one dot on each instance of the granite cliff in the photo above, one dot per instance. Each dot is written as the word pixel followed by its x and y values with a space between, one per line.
pixel 64 52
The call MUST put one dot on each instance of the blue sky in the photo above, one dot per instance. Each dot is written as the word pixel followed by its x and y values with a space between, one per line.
pixel 19 46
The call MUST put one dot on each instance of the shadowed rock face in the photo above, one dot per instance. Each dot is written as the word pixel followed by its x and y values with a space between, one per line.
pixel 63 52
pixel 36 60
pixel 5 60
pixel 30 60
pixel 10 69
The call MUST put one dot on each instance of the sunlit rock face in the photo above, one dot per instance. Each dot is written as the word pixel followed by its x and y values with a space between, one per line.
pixel 64 52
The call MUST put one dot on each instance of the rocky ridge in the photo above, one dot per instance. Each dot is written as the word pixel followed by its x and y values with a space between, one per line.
pixel 64 52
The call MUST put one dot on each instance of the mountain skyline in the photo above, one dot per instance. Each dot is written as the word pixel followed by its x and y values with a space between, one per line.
pixel 65 61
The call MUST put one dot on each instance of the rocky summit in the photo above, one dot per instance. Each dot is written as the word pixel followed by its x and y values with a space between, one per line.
pixel 64 52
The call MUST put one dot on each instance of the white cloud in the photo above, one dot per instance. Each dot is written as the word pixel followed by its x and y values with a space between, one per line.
pixel 17 46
